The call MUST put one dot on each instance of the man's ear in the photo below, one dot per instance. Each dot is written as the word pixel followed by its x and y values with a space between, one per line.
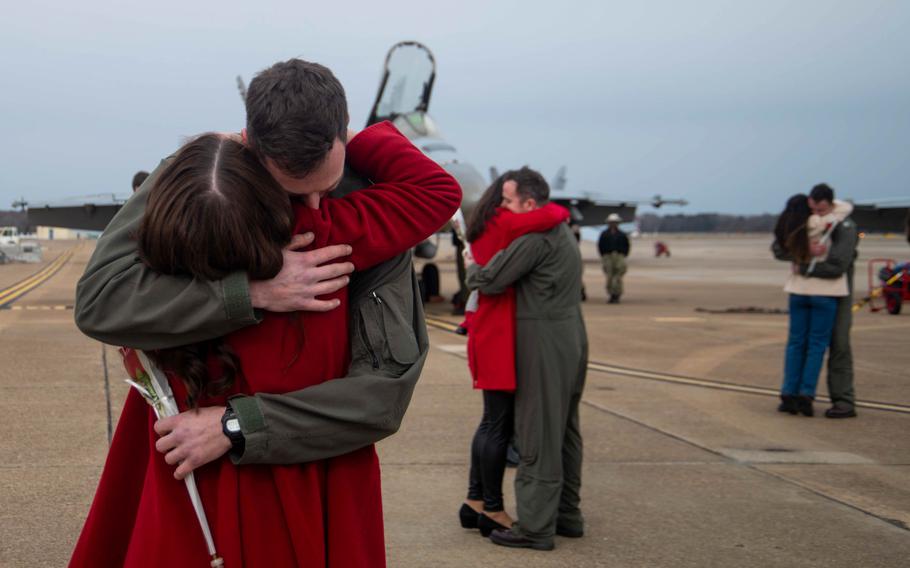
pixel 532 203
pixel 243 137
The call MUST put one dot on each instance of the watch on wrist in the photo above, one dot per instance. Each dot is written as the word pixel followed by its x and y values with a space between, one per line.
pixel 230 425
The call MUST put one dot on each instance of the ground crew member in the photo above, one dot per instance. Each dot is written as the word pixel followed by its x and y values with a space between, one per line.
pixel 551 355
pixel 139 179
pixel 614 248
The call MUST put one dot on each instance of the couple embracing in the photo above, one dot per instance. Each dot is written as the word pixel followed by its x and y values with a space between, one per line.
pixel 229 269
pixel 528 351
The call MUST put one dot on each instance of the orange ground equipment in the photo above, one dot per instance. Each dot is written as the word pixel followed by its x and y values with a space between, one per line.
pixel 889 285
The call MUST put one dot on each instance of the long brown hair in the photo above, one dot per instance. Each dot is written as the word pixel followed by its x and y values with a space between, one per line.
pixel 485 209
pixel 790 231
pixel 212 211
pixel 531 185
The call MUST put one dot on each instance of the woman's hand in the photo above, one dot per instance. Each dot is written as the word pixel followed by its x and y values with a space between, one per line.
pixel 468 258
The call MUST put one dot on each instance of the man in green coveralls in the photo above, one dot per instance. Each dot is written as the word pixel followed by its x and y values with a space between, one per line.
pixel 551 357
pixel 840 259
pixel 121 302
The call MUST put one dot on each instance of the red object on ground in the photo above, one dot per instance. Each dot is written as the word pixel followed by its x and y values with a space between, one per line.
pixel 894 294
pixel 327 512
pixel 491 339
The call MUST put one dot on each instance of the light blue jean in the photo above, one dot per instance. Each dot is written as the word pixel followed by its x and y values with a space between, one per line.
pixel 811 323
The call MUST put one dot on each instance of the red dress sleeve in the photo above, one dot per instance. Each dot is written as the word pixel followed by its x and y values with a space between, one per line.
pixel 410 199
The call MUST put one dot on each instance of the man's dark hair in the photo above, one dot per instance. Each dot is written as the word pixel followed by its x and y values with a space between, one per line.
pixel 295 110
pixel 530 184
pixel 139 178
pixel 822 192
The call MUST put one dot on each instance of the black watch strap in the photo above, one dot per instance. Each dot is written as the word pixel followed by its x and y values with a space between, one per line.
pixel 230 425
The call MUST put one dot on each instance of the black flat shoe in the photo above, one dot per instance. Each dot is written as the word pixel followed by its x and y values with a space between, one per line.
pixel 488 525
pixel 804 404
pixel 512 540
pixel 840 411
pixel 569 533
pixel 787 404
pixel 468 517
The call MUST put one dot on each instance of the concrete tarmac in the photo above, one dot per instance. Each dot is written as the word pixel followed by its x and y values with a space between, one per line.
pixel 675 474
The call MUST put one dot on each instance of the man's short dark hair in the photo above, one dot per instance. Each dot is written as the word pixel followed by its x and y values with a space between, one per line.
pixel 295 110
pixel 139 178
pixel 530 184
pixel 822 192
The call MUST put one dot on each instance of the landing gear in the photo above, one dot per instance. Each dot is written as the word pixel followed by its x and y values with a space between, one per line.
pixel 429 282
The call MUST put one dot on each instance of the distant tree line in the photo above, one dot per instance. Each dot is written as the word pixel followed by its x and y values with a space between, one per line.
pixel 14 219
pixel 706 223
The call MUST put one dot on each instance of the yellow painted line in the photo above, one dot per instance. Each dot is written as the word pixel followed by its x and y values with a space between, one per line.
pixel 22 284
pixel 13 293
pixel 442 324
pixel 56 308
pixel 692 381
pixel 37 276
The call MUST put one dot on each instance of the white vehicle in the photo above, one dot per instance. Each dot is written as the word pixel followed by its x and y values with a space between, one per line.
pixel 16 247
pixel 9 236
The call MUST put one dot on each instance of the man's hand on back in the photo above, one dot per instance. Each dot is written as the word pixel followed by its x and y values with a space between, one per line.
pixel 302 279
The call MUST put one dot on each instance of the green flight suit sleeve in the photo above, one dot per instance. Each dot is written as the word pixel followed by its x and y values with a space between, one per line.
pixel 389 345
pixel 508 265
pixel 841 254
pixel 779 252
pixel 122 302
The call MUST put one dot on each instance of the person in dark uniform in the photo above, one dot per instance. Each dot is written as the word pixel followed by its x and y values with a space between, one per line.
pixel 575 225
pixel 614 248
pixel 139 179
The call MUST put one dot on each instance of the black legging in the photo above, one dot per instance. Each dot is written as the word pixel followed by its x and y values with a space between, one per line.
pixel 488 450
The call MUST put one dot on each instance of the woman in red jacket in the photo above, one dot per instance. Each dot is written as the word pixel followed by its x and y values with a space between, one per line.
pixel 491 352
pixel 215 210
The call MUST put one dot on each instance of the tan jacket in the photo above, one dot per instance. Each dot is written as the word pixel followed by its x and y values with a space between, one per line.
pixel 819 229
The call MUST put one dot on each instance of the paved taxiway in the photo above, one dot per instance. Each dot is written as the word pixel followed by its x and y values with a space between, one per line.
pixel 676 474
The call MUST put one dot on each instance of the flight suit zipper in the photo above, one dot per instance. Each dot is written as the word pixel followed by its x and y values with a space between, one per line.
pixel 363 329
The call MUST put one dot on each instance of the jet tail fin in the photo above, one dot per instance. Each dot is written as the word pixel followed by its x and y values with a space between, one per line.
pixel 559 181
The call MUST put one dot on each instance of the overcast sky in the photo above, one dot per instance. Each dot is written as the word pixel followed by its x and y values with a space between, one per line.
pixel 732 105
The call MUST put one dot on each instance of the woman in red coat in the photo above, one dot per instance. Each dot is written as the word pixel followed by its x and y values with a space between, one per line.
pixel 491 352
pixel 215 210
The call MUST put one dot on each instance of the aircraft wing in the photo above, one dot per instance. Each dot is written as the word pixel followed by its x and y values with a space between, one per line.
pixel 587 212
pixel 888 216
pixel 92 215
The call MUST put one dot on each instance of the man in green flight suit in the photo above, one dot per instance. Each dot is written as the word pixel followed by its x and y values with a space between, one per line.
pixel 841 256
pixel 551 356
pixel 121 302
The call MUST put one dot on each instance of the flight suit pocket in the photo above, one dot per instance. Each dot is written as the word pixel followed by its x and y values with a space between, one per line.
pixel 386 330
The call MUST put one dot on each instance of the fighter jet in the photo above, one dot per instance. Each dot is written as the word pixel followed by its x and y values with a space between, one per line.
pixel 403 98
